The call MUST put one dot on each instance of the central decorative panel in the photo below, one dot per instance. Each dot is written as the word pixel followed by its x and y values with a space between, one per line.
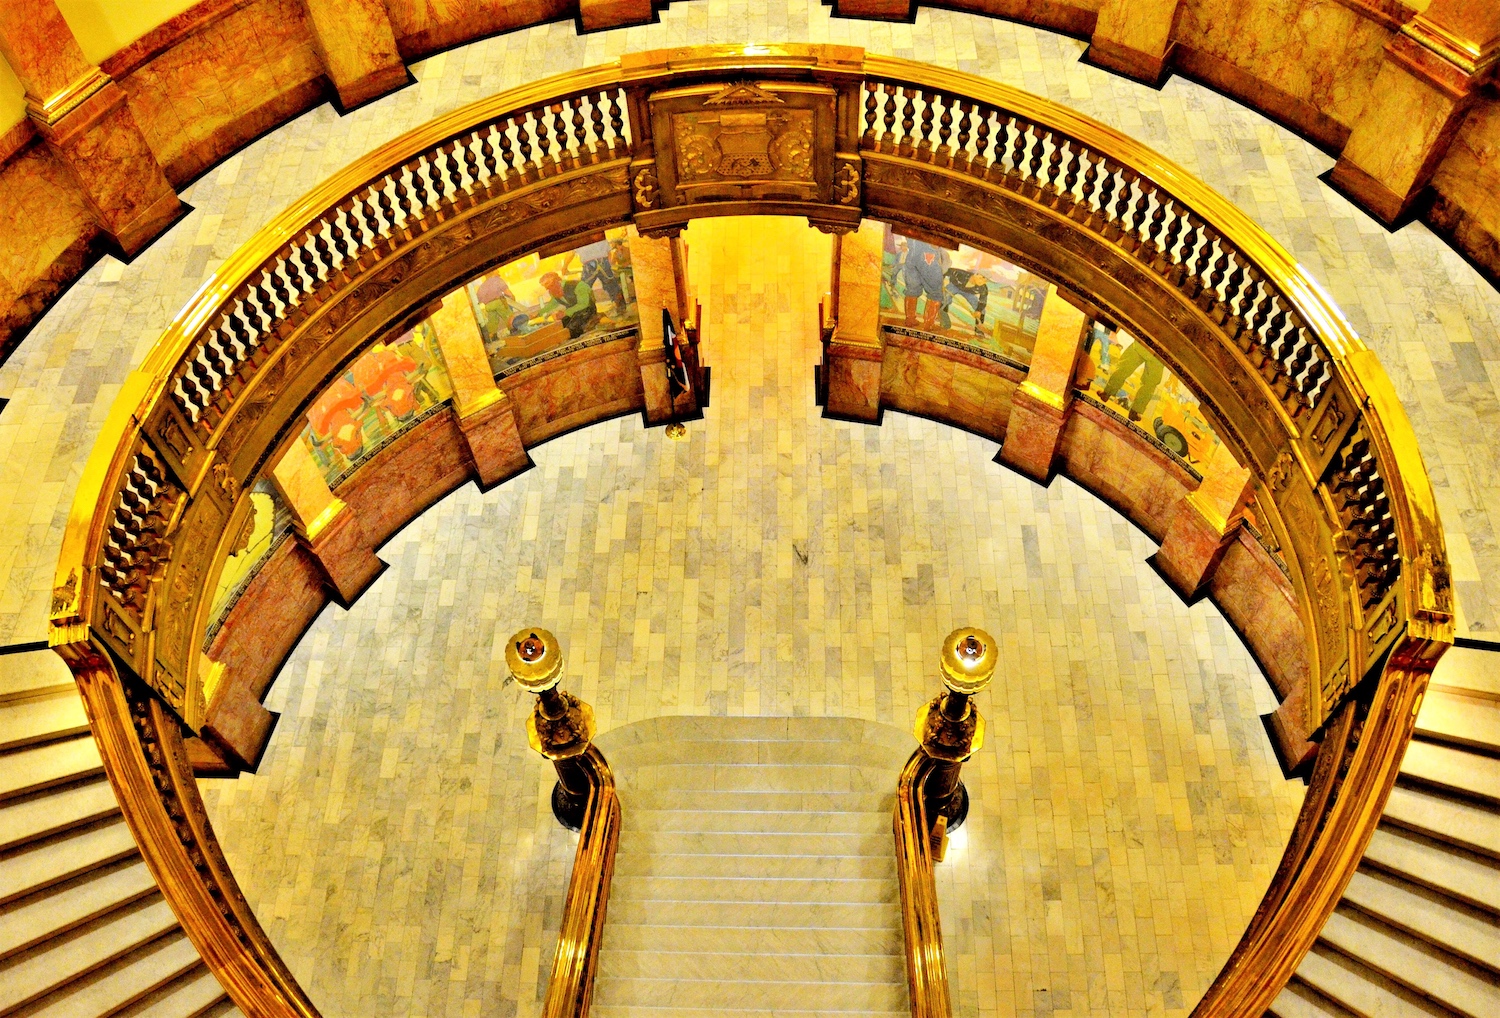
pixel 745 142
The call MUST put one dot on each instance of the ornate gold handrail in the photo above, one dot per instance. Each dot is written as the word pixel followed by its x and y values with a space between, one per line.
pixel 921 926
pixel 572 985
pixel 1298 396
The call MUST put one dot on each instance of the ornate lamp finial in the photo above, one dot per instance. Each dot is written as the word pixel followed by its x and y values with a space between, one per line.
pixel 535 659
pixel 968 661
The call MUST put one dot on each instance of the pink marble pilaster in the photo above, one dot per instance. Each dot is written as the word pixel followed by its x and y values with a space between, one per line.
pixel 1134 37
pixel 660 285
pixel 595 15
pixel 358 48
pixel 1431 75
pixel 1041 403
pixel 87 122
pixel 486 416
pixel 853 357
pixel 325 525
pixel 1204 525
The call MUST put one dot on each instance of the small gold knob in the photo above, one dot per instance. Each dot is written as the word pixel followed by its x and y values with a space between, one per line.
pixel 535 659
pixel 969 660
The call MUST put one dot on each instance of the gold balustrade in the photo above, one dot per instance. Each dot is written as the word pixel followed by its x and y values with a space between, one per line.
pixel 843 135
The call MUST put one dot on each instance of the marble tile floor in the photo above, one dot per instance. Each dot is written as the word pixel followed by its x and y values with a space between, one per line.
pixel 1430 317
pixel 1128 811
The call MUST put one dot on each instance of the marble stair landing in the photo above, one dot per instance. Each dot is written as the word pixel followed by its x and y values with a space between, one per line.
pixel 755 873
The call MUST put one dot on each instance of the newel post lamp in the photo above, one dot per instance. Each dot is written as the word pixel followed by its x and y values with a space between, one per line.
pixel 950 729
pixel 560 726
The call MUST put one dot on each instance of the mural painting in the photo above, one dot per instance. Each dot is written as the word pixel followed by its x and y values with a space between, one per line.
pixel 1125 377
pixel 966 297
pixel 268 523
pixel 386 390
pixel 536 308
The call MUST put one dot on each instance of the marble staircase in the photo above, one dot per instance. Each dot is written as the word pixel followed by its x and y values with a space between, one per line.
pixel 84 933
pixel 1418 930
pixel 755 872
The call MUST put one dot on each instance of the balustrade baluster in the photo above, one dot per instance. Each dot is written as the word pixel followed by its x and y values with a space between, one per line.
pixel 279 288
pixel 1088 187
pixel 1018 152
pixel 1098 217
pixel 616 121
pixel 908 121
pixel 1055 173
pixel 321 248
pixel 1213 274
pixel 1038 158
pixel 983 159
pixel 961 156
pixel 387 208
pixel 889 103
pixel 596 129
pixel 550 140
pixel 580 131
pixel 1124 206
pixel 343 240
pixel 455 176
pixel 471 160
pixel 945 131
pixel 523 145
pixel 507 156
pixel 419 192
pixel 867 137
pixel 1233 284
pixel 925 141
pixel 1154 230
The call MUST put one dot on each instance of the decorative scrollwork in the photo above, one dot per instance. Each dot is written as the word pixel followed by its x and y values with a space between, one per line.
pixel 846 184
pixel 645 189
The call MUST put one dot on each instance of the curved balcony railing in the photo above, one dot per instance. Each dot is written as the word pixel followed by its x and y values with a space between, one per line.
pixel 1297 396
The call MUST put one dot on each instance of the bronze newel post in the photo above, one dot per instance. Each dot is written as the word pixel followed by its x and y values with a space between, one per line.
pixel 950 729
pixel 560 726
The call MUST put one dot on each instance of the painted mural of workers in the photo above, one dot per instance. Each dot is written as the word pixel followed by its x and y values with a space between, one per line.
pixel 598 268
pixel 974 288
pixel 922 277
pixel 572 303
pixel 1135 357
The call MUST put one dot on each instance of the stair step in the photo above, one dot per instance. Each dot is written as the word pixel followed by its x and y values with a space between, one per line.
pixel 1453 770
pixel 825 754
pixel 55 811
pixel 1468 670
pixel 805 892
pixel 128 980
pixel 1357 988
pixel 748 994
pixel 756 967
pixel 707 821
pixel 58 963
pixel 1428 916
pixel 678 800
pixel 1468 878
pixel 598 1010
pixel 31 674
pixel 188 996
pixel 1409 962
pixel 1443 818
pixel 1299 1000
pixel 44 719
pixel 646 842
pixel 758 777
pixel 762 866
pixel 31 770
pixel 843 915
pixel 753 939
pixel 1471 721
pixel 64 857
pixel 51 913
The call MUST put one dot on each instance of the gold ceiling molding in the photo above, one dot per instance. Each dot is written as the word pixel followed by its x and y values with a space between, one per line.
pixel 823 132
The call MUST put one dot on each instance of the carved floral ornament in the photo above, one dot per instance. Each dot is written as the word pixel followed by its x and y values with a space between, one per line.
pixel 755 135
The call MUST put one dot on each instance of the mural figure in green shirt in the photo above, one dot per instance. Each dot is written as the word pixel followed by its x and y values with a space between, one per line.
pixel 573 301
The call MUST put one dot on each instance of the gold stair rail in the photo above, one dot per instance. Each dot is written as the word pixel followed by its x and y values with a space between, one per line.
pixel 561 729
pixel 921 925
pixel 1290 388
pixel 931 801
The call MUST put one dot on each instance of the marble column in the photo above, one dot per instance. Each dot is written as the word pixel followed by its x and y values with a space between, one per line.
pixel 1434 67
pixel 325 524
pixel 1134 37
pixel 853 356
pixel 86 121
pixel 1042 402
pixel 358 48
pixel 1205 523
pixel 878 10
pixel 660 284
pixel 595 15
pixel 486 415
